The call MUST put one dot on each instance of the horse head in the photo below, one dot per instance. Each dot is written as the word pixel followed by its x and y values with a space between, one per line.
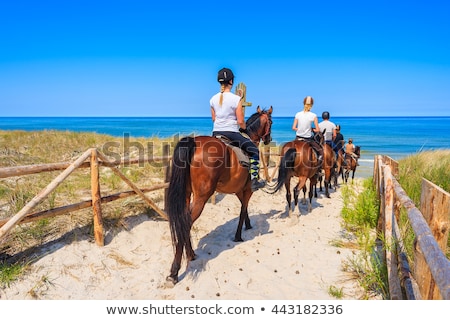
pixel 319 137
pixel 358 151
pixel 259 126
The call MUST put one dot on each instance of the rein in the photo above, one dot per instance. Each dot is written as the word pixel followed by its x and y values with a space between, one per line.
pixel 267 131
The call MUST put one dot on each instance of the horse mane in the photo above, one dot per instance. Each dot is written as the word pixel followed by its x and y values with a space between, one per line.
pixel 254 122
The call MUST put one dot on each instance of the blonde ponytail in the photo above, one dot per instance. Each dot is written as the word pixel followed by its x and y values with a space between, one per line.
pixel 222 89
pixel 307 107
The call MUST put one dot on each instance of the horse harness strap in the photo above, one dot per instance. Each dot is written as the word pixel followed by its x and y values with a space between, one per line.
pixel 243 158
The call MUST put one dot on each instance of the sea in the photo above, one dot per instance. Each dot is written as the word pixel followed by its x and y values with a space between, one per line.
pixel 396 137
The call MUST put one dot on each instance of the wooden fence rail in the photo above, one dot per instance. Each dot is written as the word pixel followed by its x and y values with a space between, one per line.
pixel 92 159
pixel 432 268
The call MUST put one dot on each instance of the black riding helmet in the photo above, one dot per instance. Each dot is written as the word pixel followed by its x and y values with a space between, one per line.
pixel 325 115
pixel 225 75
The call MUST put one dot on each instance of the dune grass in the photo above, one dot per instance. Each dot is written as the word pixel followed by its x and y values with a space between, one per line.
pixel 40 147
pixel 433 166
pixel 360 216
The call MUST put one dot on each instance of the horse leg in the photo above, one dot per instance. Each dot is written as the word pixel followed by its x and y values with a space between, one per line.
pixel 304 195
pixel 336 176
pixel 301 185
pixel 296 193
pixel 287 186
pixel 244 198
pixel 176 265
pixel 180 245
pixel 197 206
pixel 327 183
pixel 311 183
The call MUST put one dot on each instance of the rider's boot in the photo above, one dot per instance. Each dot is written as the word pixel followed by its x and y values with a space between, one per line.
pixel 254 175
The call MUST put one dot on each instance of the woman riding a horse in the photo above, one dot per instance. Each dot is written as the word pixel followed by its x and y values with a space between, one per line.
pixel 202 165
pixel 228 117
pixel 302 126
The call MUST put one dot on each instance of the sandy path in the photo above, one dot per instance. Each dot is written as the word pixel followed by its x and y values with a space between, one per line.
pixel 282 257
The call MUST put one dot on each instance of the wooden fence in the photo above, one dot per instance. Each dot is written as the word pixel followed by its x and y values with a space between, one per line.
pixel 91 158
pixel 430 279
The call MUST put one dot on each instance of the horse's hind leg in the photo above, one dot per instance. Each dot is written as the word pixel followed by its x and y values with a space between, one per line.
pixel 197 206
pixel 296 193
pixel 311 184
pixel 172 279
pixel 287 186
pixel 244 198
pixel 327 184
pixel 304 195
pixel 300 186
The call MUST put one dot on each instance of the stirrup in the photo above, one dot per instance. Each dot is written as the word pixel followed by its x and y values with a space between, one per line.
pixel 257 184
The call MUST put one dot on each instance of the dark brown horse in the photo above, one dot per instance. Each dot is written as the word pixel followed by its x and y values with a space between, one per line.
pixel 200 166
pixel 328 165
pixel 351 164
pixel 298 159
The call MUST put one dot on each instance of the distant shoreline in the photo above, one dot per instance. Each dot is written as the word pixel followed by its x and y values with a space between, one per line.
pixel 208 117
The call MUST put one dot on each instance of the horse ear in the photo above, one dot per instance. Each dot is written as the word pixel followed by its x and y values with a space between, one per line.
pixel 270 110
pixel 323 132
pixel 258 109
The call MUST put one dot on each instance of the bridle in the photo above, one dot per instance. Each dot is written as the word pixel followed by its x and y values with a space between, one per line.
pixel 268 126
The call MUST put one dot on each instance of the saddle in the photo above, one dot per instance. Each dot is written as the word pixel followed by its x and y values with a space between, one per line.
pixel 243 158
pixel 309 141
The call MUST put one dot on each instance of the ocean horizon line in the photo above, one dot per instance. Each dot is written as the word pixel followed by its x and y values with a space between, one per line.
pixel 206 117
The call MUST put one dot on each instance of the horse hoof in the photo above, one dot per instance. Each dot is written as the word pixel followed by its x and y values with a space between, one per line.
pixel 171 282
pixel 238 240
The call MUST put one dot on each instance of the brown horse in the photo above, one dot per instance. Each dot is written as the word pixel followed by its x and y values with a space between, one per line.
pixel 298 159
pixel 200 166
pixel 328 165
pixel 339 167
pixel 351 164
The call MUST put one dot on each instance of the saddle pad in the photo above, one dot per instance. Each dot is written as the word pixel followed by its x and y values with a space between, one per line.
pixel 241 155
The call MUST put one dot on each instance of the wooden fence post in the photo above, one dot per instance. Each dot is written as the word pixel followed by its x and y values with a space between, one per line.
pixel 395 291
pixel 435 208
pixel 167 172
pixel 96 199
pixel 241 90
pixel 380 192
pixel 265 163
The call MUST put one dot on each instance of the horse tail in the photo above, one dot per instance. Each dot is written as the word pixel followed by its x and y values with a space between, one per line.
pixel 286 166
pixel 180 219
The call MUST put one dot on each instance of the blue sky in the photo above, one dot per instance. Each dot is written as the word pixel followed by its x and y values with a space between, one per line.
pixel 138 58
